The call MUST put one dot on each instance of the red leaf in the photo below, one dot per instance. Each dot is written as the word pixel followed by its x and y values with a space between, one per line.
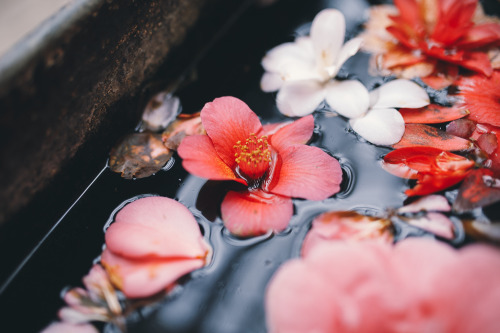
pixel 424 135
pixel 432 114
pixel 479 189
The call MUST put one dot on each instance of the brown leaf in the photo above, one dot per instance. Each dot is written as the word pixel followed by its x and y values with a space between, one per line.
pixel 139 155
pixel 184 125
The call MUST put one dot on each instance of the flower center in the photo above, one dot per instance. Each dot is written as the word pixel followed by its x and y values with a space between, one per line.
pixel 253 156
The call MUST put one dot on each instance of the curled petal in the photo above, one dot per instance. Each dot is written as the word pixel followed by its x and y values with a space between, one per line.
pixel 349 49
pixel 307 172
pixel 327 34
pixel 300 98
pixel 436 223
pixel 423 135
pixel 144 278
pixel 228 120
pixel 200 158
pixel 346 225
pixel 348 98
pixel 271 82
pixel 155 227
pixel 436 203
pixel 399 94
pixel 255 213
pixel 298 132
pixel 380 126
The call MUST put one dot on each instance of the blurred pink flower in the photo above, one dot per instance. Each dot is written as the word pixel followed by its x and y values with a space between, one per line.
pixel 418 285
pixel 153 242
pixel 69 328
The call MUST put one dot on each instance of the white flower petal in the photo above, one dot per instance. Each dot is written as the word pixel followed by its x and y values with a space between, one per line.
pixel 327 34
pixel 300 51
pixel 271 82
pixel 380 126
pixel 349 49
pixel 348 98
pixel 299 98
pixel 399 93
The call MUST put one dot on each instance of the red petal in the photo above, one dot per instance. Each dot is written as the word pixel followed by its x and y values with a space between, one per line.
pixel 409 13
pixel 481 96
pixel 432 114
pixel 477 61
pixel 445 74
pixel 402 37
pixel 298 132
pixel 488 142
pixel 307 172
pixel 228 120
pixel 155 227
pixel 424 135
pixel 143 278
pixel 401 57
pixel 431 183
pixel 481 35
pixel 200 158
pixel 255 213
pixel 462 128
pixel 454 20
pixel 477 190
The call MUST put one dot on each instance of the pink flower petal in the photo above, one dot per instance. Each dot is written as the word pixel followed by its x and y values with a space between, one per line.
pixel 255 213
pixel 200 158
pixel 436 223
pixel 436 203
pixel 155 227
pixel 143 278
pixel 298 132
pixel 346 225
pixel 307 172
pixel 228 120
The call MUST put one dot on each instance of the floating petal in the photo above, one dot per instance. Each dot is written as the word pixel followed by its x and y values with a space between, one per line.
pixel 436 223
pixel 461 127
pixel 436 203
pixel 380 126
pixel 155 227
pixel 62 327
pixel 399 94
pixel 184 125
pixel 348 98
pixel 300 98
pixel 479 189
pixel 423 135
pixel 307 172
pixel 160 111
pixel 271 82
pixel 432 114
pixel 349 49
pixel 255 213
pixel 298 132
pixel 327 34
pixel 144 278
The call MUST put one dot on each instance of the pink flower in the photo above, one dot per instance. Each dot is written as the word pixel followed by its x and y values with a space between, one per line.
pixel 418 285
pixel 432 39
pixel 153 242
pixel 271 161
pixel 69 328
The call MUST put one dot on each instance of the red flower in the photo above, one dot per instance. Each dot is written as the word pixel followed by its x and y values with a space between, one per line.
pixel 272 161
pixel 434 169
pixel 432 39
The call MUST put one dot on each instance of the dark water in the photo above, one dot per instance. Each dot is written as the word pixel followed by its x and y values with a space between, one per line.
pixel 226 296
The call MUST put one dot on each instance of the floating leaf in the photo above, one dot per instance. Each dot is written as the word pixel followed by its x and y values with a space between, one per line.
pixel 160 111
pixel 423 135
pixel 184 125
pixel 139 155
pixel 479 189
pixel 432 114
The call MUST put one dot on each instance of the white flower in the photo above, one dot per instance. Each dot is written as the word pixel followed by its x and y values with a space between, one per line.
pixel 303 70
pixel 382 124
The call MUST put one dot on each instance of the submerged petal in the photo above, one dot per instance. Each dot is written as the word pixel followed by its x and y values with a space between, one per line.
pixel 380 126
pixel 327 34
pixel 200 158
pixel 228 120
pixel 300 98
pixel 155 227
pixel 307 172
pixel 399 93
pixel 255 213
pixel 143 278
pixel 348 98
